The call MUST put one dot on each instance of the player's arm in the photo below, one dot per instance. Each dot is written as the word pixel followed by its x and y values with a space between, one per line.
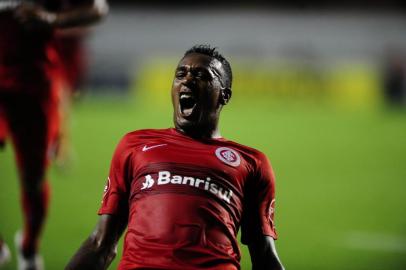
pixel 35 16
pixel 100 248
pixel 263 254
pixel 8 5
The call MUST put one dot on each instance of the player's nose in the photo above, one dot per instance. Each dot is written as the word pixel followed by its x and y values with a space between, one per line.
pixel 189 80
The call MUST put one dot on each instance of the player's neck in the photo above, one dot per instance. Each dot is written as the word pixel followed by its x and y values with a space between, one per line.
pixel 207 134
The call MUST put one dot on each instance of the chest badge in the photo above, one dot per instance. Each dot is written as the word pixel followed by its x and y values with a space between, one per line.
pixel 228 156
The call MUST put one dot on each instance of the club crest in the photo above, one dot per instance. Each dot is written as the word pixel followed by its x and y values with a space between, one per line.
pixel 228 156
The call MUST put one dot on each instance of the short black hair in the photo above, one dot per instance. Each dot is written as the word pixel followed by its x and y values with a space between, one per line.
pixel 212 52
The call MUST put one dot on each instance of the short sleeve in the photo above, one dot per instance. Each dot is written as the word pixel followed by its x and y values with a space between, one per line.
pixel 116 191
pixel 259 203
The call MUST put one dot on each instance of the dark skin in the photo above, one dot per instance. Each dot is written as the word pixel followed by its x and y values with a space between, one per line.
pixel 100 248
pixel 201 79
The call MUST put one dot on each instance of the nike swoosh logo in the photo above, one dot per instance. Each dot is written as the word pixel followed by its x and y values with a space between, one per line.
pixel 146 148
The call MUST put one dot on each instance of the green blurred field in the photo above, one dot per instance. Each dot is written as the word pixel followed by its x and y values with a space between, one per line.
pixel 341 179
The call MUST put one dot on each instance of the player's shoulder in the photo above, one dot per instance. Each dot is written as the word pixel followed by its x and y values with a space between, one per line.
pixel 135 138
pixel 147 132
pixel 257 160
pixel 251 152
pixel 142 134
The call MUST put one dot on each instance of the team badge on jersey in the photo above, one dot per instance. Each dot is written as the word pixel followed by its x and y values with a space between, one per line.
pixel 228 156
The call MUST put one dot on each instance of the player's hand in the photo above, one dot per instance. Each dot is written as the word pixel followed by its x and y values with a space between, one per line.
pixel 34 17
pixel 7 6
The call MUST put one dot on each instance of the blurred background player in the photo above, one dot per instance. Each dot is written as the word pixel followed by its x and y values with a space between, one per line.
pixel 4 253
pixel 73 64
pixel 30 89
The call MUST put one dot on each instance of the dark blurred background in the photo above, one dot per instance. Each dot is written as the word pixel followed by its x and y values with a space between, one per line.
pixel 313 41
pixel 364 5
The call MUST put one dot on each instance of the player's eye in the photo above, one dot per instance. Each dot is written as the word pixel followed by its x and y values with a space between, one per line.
pixel 180 74
pixel 201 75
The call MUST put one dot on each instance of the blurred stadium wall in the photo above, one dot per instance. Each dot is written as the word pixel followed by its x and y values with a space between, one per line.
pixel 335 56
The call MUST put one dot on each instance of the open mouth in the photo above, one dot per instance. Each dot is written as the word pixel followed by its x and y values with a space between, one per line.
pixel 187 103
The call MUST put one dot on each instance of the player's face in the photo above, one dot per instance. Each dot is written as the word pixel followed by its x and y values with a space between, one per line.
pixel 196 93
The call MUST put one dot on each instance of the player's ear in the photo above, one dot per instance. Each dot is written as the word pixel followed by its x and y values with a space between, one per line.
pixel 225 95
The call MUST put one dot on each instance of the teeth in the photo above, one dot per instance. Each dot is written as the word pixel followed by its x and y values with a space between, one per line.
pixel 185 95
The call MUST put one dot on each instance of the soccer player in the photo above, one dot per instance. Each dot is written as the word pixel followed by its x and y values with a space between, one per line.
pixel 29 93
pixel 184 192
pixel 4 253
pixel 71 50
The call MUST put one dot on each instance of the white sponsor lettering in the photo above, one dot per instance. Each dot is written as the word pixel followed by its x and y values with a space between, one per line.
pixel 149 182
pixel 165 177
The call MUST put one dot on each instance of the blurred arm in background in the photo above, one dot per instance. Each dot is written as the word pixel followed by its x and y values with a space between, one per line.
pixel 100 248
pixel 34 16
pixel 263 254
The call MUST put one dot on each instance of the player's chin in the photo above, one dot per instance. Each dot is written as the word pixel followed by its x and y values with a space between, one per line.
pixel 187 124
pixel 183 122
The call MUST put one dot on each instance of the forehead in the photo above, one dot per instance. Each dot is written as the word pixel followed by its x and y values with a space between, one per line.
pixel 198 60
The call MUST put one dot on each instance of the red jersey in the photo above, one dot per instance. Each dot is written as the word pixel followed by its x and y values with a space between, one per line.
pixel 72 55
pixel 186 199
